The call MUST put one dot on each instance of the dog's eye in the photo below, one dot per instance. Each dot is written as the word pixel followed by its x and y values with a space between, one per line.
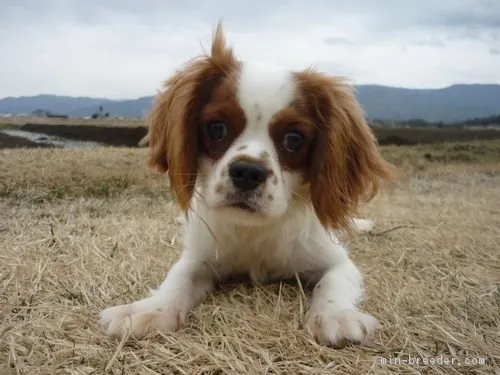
pixel 217 130
pixel 293 141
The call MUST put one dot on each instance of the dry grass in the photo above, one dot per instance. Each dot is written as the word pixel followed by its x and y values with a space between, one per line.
pixel 38 175
pixel 69 248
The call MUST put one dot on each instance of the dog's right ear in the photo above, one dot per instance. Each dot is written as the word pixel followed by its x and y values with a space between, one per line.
pixel 174 120
pixel 346 163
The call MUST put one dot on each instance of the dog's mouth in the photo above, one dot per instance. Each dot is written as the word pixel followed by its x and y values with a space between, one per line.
pixel 243 206
pixel 241 202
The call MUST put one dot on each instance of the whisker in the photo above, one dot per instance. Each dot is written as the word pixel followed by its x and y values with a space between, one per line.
pixel 212 233
pixel 299 196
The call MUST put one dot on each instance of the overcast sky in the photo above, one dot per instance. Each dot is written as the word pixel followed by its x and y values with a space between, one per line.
pixel 126 48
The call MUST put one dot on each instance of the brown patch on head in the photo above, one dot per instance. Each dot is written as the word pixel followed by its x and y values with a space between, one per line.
pixel 201 91
pixel 293 118
pixel 219 188
pixel 222 107
pixel 345 164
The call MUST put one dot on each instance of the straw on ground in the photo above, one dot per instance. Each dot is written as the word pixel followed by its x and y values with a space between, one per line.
pixel 81 230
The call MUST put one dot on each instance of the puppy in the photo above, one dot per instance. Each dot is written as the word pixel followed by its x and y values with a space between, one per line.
pixel 268 167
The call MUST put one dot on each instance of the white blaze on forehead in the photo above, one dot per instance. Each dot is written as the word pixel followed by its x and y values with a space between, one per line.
pixel 261 93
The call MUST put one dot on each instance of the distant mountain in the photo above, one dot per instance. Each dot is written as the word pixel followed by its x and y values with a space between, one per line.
pixel 125 108
pixel 450 104
pixel 75 106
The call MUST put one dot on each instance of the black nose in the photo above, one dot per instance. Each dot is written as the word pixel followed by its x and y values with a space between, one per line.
pixel 247 175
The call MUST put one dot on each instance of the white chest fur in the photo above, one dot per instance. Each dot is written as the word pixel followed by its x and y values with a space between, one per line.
pixel 295 244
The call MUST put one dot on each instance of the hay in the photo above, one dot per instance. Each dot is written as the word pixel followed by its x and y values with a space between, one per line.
pixel 433 282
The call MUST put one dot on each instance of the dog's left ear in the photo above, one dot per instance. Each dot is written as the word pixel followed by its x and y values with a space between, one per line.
pixel 346 165
pixel 174 120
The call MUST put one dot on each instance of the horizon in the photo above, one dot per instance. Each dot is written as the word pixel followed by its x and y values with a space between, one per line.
pixel 151 95
pixel 123 50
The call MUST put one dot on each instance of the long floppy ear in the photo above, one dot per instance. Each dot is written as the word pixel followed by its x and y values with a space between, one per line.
pixel 346 165
pixel 173 122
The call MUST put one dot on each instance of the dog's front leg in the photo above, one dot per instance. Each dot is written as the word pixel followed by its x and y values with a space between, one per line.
pixel 333 318
pixel 186 285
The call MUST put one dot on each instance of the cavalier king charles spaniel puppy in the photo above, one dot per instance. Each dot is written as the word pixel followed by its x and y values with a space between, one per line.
pixel 268 168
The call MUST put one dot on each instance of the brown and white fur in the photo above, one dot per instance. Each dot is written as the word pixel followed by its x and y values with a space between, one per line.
pixel 268 166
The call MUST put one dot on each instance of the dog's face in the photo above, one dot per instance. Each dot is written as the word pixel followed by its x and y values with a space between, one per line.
pixel 255 145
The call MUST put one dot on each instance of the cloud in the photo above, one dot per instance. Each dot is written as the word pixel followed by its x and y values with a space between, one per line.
pixel 126 48
pixel 495 51
pixel 471 14
pixel 331 41
pixel 429 43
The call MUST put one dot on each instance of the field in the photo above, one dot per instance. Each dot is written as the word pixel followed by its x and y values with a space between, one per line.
pixel 426 135
pixel 83 229
pixel 105 121
pixel 128 132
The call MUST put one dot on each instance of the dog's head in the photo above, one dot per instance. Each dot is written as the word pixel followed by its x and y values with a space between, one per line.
pixel 255 146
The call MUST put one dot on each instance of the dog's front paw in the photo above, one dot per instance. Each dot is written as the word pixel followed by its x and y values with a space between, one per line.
pixel 123 320
pixel 336 327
